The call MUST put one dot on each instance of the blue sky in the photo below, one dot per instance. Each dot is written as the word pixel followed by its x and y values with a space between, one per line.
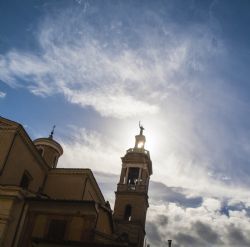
pixel 95 68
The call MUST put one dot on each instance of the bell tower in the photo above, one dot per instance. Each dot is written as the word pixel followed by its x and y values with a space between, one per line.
pixel 131 201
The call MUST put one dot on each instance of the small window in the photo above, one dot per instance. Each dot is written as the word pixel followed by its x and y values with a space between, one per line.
pixel 57 229
pixel 128 212
pixel 25 181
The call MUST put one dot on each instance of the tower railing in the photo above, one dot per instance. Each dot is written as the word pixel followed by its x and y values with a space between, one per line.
pixel 138 150
pixel 132 187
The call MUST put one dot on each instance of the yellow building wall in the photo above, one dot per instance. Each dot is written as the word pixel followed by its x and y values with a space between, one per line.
pixel 40 226
pixel 20 159
pixel 91 194
pixel 81 219
pixel 11 209
pixel 5 212
pixel 6 138
pixel 75 228
pixel 65 186
pixel 103 223
pixel 79 186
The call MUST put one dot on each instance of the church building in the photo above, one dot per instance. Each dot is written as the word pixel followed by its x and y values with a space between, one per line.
pixel 43 205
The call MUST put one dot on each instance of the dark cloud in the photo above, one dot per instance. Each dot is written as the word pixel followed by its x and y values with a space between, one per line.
pixel 160 192
pixel 237 236
pixel 206 233
pixel 162 219
pixel 153 233
pixel 153 230
pixel 183 239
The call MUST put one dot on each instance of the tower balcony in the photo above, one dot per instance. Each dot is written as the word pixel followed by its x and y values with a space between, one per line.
pixel 136 156
pixel 132 187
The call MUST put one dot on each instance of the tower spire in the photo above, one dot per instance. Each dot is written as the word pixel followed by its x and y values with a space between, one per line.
pixel 52 132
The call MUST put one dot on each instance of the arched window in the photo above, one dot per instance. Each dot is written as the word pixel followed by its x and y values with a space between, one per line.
pixel 128 212
pixel 40 150
pixel 133 175
pixel 26 179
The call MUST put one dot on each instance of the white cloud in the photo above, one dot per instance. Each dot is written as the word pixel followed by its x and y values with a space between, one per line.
pixel 2 95
pixel 111 74
pixel 89 149
pixel 201 226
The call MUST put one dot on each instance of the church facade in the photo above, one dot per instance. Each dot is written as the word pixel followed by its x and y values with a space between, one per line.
pixel 43 205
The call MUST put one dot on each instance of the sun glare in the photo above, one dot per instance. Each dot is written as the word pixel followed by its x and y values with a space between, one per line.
pixel 140 145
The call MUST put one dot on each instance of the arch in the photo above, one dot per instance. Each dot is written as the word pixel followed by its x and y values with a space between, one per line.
pixel 25 180
pixel 40 150
pixel 128 212
pixel 133 175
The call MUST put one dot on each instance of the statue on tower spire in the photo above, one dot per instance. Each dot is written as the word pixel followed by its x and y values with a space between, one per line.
pixel 141 128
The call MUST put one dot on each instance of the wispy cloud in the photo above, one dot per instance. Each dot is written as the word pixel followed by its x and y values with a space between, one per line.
pixel 116 76
pixel 2 95
pixel 90 149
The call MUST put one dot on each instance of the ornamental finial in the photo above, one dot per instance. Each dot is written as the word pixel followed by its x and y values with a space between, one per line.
pixel 52 132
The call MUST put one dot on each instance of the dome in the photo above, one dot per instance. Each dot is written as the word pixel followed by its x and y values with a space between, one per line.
pixel 49 149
